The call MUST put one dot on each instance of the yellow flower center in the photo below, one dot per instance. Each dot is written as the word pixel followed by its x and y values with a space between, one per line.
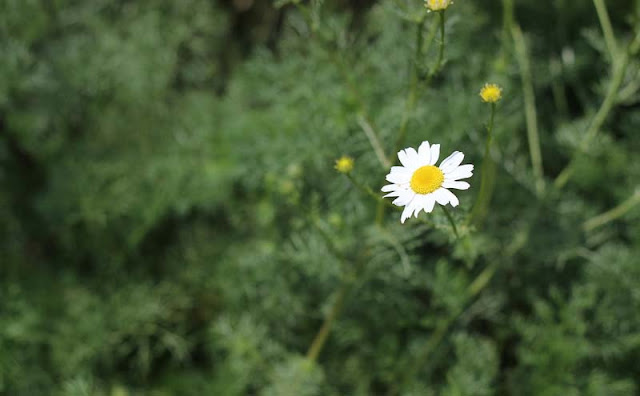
pixel 491 93
pixel 427 179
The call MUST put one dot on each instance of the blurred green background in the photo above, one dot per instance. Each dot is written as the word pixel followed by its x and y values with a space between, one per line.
pixel 171 222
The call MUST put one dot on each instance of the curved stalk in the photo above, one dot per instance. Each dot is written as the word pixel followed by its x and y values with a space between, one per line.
pixel 450 218
pixel 619 70
pixel 322 335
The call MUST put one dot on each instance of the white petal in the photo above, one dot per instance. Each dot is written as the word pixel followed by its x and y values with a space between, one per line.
pixel 392 194
pixel 435 153
pixel 398 178
pixel 453 200
pixel 424 153
pixel 389 187
pixel 414 159
pixel 458 185
pixel 404 199
pixel 451 162
pixel 418 204
pixel 400 169
pixel 404 159
pixel 406 213
pixel 461 172
pixel 412 206
pixel 441 196
pixel 430 202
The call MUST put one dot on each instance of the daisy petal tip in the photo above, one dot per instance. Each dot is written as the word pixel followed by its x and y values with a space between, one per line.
pixel 388 188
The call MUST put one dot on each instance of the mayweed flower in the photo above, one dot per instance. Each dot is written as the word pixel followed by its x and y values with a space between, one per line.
pixel 437 5
pixel 491 93
pixel 419 184
pixel 344 164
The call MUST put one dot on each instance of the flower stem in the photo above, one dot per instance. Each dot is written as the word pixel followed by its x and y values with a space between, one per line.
pixel 486 182
pixel 487 146
pixel 440 332
pixel 412 96
pixel 322 335
pixel 366 126
pixel 529 107
pixel 413 88
pixel 367 191
pixel 438 65
pixel 450 218
pixel 619 70
pixel 607 30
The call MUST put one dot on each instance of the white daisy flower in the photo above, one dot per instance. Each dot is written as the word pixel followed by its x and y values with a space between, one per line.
pixel 418 184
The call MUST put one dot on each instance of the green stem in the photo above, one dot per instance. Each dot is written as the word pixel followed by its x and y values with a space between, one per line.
pixel 507 21
pixel 413 88
pixel 322 335
pixel 607 30
pixel 485 189
pixel 487 147
pixel 530 108
pixel 482 280
pixel 412 96
pixel 619 70
pixel 367 191
pixel 434 340
pixel 612 214
pixel 380 212
pixel 366 126
pixel 453 224
pixel 436 69
pixel 479 283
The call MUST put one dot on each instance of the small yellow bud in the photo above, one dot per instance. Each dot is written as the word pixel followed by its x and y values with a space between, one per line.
pixel 491 93
pixel 344 164
pixel 437 5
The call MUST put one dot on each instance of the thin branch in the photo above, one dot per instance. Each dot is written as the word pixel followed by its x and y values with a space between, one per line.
pixel 529 107
pixel 373 140
pixel 619 70
pixel 322 335
pixel 607 30
pixel 612 214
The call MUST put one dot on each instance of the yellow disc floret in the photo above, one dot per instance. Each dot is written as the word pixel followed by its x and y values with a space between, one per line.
pixel 437 5
pixel 344 164
pixel 427 179
pixel 491 93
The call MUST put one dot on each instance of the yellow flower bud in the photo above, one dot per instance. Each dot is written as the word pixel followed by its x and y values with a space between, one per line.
pixel 344 164
pixel 437 5
pixel 491 93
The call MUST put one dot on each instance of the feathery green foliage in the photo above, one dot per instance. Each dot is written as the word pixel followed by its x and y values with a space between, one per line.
pixel 171 222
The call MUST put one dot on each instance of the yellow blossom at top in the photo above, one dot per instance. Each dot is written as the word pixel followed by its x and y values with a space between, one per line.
pixel 437 5
pixel 491 93
pixel 344 164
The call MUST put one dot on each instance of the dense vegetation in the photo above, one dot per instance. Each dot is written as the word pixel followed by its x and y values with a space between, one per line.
pixel 171 222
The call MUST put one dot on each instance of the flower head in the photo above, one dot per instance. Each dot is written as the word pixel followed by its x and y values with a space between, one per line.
pixel 491 93
pixel 418 184
pixel 437 5
pixel 344 164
